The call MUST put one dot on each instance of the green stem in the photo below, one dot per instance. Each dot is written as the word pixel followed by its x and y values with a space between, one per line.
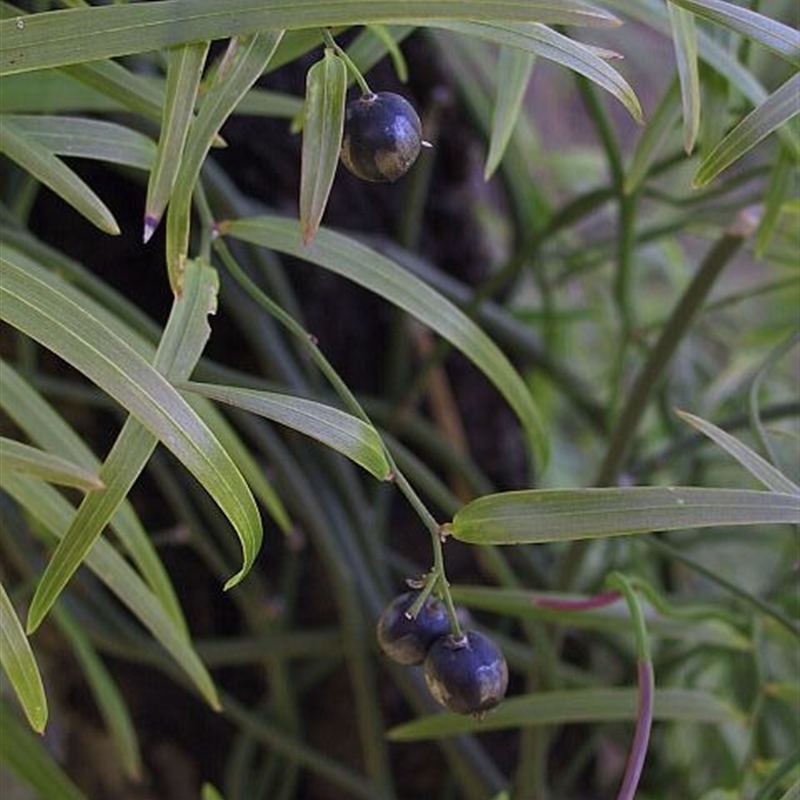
pixel 327 37
pixel 352 404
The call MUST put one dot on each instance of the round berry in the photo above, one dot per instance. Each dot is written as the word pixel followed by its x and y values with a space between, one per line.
pixel 467 675
pixel 382 137
pixel 406 640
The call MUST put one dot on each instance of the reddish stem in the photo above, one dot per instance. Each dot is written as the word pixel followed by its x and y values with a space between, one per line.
pixel 641 736
pixel 597 601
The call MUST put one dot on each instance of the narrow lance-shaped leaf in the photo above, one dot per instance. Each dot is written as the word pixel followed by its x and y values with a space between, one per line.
pixel 388 279
pixel 44 426
pixel 657 133
pixel 180 348
pixel 684 41
pixel 55 174
pixel 20 665
pixel 79 137
pixel 554 46
pixel 249 61
pixel 20 457
pixel 535 516
pixel 781 39
pixel 774 112
pixel 571 706
pixel 326 86
pixel 68 36
pixel 184 71
pixel 514 68
pixel 337 429
pixel 757 466
pixel 36 306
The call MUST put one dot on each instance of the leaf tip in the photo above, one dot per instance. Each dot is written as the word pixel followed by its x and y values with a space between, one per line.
pixel 150 224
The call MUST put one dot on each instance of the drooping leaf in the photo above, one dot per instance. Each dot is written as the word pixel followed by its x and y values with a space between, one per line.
pixel 554 46
pixel 549 515
pixel 341 431
pixel 326 87
pixel 184 71
pixel 55 38
pixel 19 665
pixel 773 113
pixel 43 165
pixel 571 706
pixel 514 69
pixel 47 310
pixel 388 279
pixel 20 457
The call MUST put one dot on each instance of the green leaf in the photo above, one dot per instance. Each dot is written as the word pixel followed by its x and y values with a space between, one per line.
pixel 43 425
pixel 55 513
pixel 514 69
pixel 757 466
pixel 657 134
pixel 337 429
pixel 19 457
pixel 571 706
pixel 31 761
pixel 610 619
pixel 106 694
pixel 20 665
pixel 210 792
pixel 551 515
pixel 780 38
pixel 50 92
pixel 42 307
pixel 78 137
pixel 684 41
pixel 55 174
pixel 777 199
pixel 68 36
pixel 140 94
pixel 547 43
pixel 773 113
pixel 184 71
pixel 248 59
pixel 266 103
pixel 326 87
pixel 384 277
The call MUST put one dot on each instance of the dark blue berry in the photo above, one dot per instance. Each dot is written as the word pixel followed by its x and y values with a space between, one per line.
pixel 467 675
pixel 382 137
pixel 407 640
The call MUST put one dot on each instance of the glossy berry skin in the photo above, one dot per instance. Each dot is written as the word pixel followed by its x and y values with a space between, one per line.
pixel 406 640
pixel 467 675
pixel 382 137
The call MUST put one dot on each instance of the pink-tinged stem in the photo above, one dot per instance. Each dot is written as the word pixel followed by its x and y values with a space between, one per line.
pixel 597 601
pixel 641 736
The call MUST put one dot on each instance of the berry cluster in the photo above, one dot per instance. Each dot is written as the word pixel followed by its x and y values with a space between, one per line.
pixel 466 674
